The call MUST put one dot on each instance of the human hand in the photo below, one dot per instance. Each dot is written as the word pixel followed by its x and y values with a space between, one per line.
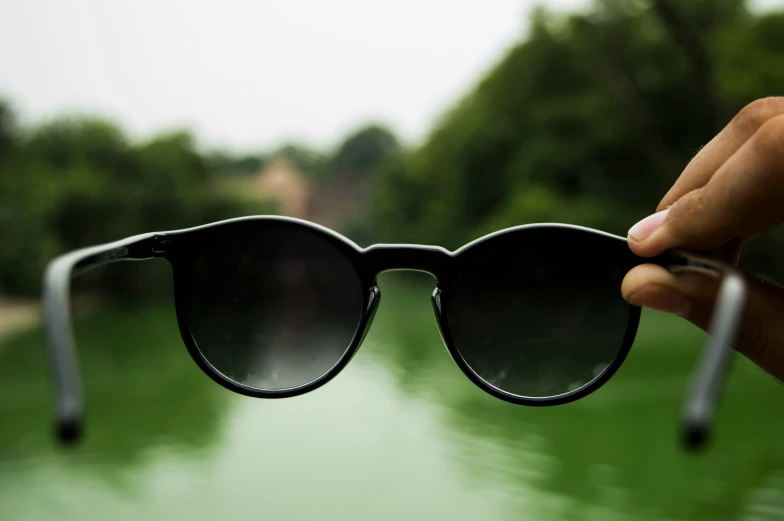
pixel 730 192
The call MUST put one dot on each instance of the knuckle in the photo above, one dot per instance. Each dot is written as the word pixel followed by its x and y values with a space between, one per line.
pixel 698 220
pixel 769 139
pixel 684 215
pixel 758 112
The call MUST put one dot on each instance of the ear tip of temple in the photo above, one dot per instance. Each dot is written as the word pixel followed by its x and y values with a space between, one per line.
pixel 69 431
pixel 695 435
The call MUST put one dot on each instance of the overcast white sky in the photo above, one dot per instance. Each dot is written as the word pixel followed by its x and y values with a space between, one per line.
pixel 249 74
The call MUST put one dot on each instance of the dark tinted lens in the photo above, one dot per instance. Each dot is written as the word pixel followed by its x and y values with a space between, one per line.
pixel 539 312
pixel 276 308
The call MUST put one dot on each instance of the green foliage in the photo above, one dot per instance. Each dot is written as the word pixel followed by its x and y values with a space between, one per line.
pixel 76 182
pixel 308 160
pixel 587 120
pixel 7 131
pixel 363 151
pixel 221 163
pixel 540 204
pixel 750 66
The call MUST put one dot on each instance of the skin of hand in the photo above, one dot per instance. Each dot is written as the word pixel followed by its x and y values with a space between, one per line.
pixel 731 191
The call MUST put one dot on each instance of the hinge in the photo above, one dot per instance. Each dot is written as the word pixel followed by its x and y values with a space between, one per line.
pixel 160 245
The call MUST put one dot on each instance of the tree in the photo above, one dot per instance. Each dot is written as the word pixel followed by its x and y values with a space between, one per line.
pixel 310 161
pixel 7 132
pixel 363 151
pixel 74 182
pixel 222 163
pixel 587 120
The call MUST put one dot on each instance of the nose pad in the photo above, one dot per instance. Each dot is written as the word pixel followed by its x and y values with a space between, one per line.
pixel 436 299
pixel 374 298
pixel 438 309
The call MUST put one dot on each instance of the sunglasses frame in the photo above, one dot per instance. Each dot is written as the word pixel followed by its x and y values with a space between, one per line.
pixel 182 247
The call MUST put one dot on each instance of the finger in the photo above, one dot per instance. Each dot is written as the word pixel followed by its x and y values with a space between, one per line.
pixel 710 158
pixel 743 198
pixel 731 251
pixel 692 295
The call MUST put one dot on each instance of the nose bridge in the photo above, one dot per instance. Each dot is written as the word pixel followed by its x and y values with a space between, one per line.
pixel 386 257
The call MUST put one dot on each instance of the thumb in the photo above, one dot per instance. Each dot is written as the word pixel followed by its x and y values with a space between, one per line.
pixel 692 295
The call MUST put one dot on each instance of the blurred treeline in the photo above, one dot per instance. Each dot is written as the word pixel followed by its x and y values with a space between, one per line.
pixel 75 182
pixel 587 120
pixel 78 181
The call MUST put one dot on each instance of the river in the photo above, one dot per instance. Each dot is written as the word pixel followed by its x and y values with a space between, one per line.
pixel 399 434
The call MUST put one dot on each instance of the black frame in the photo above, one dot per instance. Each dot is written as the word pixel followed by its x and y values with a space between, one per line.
pixel 181 247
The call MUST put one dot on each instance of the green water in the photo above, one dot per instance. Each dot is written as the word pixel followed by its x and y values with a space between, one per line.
pixel 400 434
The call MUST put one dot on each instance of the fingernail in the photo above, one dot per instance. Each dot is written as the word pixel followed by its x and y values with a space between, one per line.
pixel 647 226
pixel 661 298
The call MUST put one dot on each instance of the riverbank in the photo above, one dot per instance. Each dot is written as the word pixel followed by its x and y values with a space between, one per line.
pixel 21 314
pixel 17 315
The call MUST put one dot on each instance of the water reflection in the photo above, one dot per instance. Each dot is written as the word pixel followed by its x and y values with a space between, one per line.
pixel 142 392
pixel 166 443
pixel 613 455
pixel 401 433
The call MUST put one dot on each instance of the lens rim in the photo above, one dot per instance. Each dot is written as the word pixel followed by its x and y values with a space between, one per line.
pixel 182 247
pixel 444 291
pixel 190 245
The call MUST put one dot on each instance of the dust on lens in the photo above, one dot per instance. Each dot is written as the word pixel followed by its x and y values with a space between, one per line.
pixel 276 309
pixel 539 313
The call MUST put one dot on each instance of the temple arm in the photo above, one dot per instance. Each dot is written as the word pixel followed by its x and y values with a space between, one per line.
pixel 69 404
pixel 709 378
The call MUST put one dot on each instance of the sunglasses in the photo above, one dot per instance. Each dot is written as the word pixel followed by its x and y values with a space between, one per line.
pixel 274 307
